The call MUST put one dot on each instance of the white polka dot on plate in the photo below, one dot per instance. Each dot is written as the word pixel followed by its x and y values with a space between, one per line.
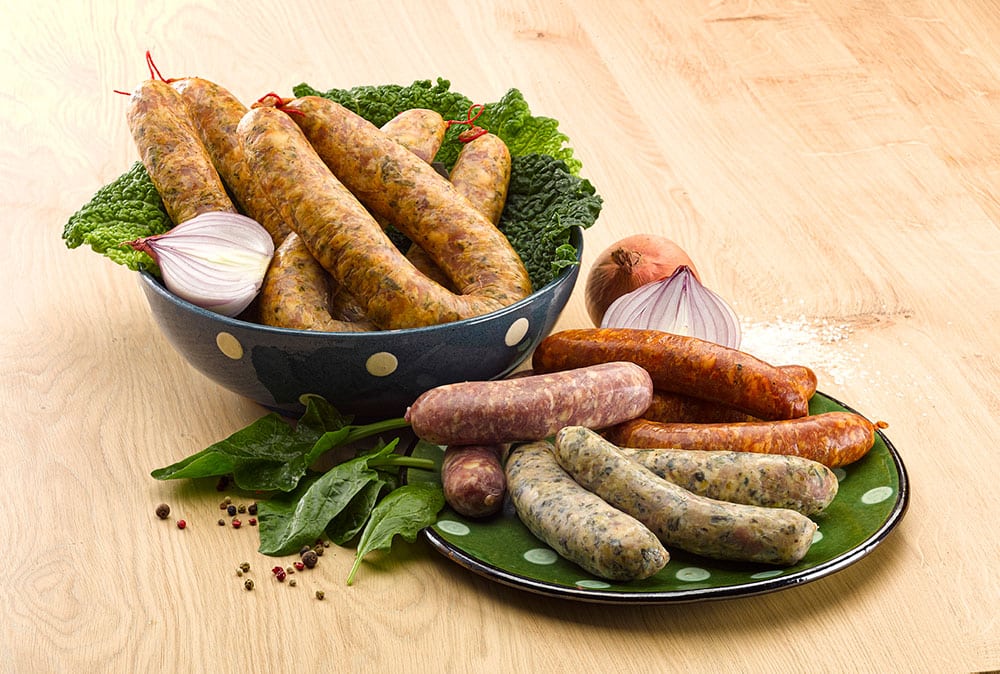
pixel 593 584
pixel 763 575
pixel 692 574
pixel 453 527
pixel 876 495
pixel 542 556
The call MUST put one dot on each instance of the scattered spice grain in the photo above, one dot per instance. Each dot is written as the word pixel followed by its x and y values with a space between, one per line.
pixel 163 511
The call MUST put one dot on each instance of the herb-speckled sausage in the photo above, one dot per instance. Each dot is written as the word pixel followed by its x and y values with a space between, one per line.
pixel 678 517
pixel 425 206
pixel 342 235
pixel 172 152
pixel 681 364
pixel 831 438
pixel 482 174
pixel 578 525
pixel 769 480
pixel 529 408
pixel 216 113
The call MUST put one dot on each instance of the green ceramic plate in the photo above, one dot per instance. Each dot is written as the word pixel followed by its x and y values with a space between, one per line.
pixel 871 501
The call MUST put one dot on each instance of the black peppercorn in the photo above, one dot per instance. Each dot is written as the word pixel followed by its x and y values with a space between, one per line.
pixel 252 508
pixel 231 510
pixel 163 511
pixel 309 558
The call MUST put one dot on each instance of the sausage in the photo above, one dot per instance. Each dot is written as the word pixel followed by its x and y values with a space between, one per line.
pixel 678 517
pixel 419 130
pixel 831 438
pixel 216 112
pixel 296 292
pixel 341 234
pixel 175 158
pixel 681 364
pixel 482 174
pixel 680 408
pixel 802 377
pixel 769 480
pixel 473 479
pixel 425 206
pixel 578 525
pixel 532 407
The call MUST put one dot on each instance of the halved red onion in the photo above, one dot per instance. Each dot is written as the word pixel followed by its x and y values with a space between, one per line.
pixel 216 261
pixel 678 304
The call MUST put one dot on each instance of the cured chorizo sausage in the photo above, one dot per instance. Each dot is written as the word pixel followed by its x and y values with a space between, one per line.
pixel 342 235
pixel 680 408
pixel 680 364
pixel 216 112
pixel 678 517
pixel 831 438
pixel 529 408
pixel 425 206
pixel 768 480
pixel 172 152
pixel 577 524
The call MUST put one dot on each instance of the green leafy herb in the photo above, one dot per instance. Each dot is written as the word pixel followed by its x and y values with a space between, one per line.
pixel 123 210
pixel 404 512
pixel 271 454
pixel 544 202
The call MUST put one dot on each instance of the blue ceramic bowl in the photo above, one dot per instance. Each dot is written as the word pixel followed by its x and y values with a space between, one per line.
pixel 365 374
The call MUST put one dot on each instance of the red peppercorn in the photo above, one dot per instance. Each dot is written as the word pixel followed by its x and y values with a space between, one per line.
pixel 236 523
pixel 276 569
pixel 252 521
pixel 299 565
pixel 280 576
pixel 181 524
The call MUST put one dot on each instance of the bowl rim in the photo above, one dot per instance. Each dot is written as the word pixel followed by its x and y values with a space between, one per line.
pixel 156 285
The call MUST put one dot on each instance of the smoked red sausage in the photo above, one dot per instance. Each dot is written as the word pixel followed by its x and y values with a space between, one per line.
pixel 832 438
pixel 681 364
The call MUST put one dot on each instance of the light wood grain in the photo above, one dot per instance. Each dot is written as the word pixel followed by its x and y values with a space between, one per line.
pixel 833 168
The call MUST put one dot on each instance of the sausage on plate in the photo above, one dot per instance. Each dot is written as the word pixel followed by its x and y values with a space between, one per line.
pixel 678 517
pixel 831 438
pixel 577 524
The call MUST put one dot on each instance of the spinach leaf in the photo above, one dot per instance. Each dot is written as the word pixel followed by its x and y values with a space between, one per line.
pixel 272 454
pixel 404 512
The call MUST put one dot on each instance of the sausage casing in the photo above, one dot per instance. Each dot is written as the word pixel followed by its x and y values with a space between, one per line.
pixel 473 479
pixel 172 152
pixel 482 174
pixel 768 480
pixel 523 409
pixel 216 113
pixel 678 517
pixel 341 234
pixel 396 185
pixel 831 438
pixel 681 364
pixel 577 524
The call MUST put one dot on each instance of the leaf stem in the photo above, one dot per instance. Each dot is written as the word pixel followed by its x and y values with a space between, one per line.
pixel 368 430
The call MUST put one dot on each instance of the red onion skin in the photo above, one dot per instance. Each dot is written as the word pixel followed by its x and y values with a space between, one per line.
pixel 628 264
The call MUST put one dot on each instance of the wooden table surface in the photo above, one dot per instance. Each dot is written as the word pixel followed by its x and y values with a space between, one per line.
pixel 833 168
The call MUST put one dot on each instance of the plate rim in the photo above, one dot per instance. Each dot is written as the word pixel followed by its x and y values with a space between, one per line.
pixel 764 586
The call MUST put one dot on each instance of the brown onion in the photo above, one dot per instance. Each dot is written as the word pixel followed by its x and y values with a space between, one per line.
pixel 629 264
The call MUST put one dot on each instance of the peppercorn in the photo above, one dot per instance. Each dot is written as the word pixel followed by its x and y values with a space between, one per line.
pixel 241 508
pixel 239 572
pixel 236 523
pixel 163 511
pixel 289 570
pixel 244 566
pixel 252 521
pixel 222 522
pixel 304 549
pixel 291 582
pixel 252 509
pixel 318 549
pixel 309 558
pixel 280 576
pixel 248 584
pixel 320 595
pixel 230 510
pixel 181 524
pixel 227 500
pixel 299 565
pixel 222 506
